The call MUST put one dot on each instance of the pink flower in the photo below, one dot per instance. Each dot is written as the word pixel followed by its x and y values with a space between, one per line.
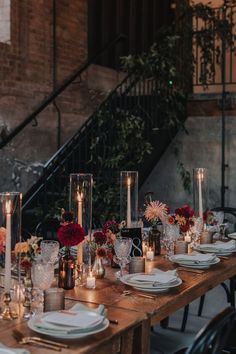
pixel 156 211
pixel 70 234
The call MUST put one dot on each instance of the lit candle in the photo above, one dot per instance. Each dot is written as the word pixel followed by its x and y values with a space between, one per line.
pixel 91 281
pixel 8 248
pixel 200 179
pixel 80 222
pixel 128 221
pixel 150 254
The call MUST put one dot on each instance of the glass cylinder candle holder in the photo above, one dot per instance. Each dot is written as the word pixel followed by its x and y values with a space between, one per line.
pixel 10 234
pixel 129 197
pixel 200 191
pixel 80 204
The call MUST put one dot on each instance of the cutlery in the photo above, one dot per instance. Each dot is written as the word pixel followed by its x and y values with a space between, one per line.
pixel 198 271
pixel 128 292
pixel 37 340
pixel 114 321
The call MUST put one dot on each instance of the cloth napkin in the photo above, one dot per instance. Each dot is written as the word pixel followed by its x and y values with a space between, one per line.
pixel 157 276
pixel 63 329
pixel 218 246
pixel 194 258
pixel 14 350
pixel 233 235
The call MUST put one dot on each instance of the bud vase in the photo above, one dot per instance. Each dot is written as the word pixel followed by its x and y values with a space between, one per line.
pixel 155 240
pixel 98 268
pixel 66 277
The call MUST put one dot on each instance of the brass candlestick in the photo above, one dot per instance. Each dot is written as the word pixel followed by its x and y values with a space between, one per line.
pixel 7 314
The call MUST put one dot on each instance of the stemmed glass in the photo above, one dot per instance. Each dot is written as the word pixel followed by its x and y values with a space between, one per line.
pixel 196 230
pixel 122 247
pixel 42 278
pixel 170 235
pixel 49 251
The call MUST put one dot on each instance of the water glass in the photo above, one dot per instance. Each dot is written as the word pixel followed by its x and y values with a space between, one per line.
pixel 49 251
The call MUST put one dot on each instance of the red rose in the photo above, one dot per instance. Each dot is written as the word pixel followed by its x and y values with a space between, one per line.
pixel 101 252
pixel 70 234
pixel 100 238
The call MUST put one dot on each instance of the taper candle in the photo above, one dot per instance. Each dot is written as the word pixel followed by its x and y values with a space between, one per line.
pixel 7 284
pixel 128 220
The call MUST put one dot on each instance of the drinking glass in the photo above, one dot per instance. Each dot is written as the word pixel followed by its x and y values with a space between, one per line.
pixel 42 278
pixel 170 235
pixel 49 251
pixel 196 231
pixel 122 247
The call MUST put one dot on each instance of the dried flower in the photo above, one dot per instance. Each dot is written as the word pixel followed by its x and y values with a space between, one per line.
pixel 156 211
pixel 101 252
pixel 22 247
pixel 70 234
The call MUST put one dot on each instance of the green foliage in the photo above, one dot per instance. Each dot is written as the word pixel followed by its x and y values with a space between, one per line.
pixel 118 144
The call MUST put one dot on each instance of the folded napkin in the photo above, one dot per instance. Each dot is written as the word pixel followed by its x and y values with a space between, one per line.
pixel 194 258
pixel 157 276
pixel 233 235
pixel 13 350
pixel 218 246
pixel 60 322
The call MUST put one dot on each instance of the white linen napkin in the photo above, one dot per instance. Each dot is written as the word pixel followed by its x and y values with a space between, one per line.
pixel 218 246
pixel 233 235
pixel 157 276
pixel 64 328
pixel 14 350
pixel 194 258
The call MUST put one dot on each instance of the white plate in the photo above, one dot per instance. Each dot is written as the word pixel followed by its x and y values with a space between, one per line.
pixel 217 253
pixel 233 235
pixel 6 351
pixel 202 265
pixel 156 291
pixel 33 320
pixel 127 279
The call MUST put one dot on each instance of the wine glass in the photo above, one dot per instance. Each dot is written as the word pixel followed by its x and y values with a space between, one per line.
pixel 122 247
pixel 42 278
pixel 170 235
pixel 196 231
pixel 49 251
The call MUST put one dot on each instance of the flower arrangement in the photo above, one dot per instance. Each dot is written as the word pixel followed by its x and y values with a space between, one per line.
pixel 183 216
pixel 70 234
pixel 28 251
pixel 2 239
pixel 156 211
pixel 101 244
pixel 209 218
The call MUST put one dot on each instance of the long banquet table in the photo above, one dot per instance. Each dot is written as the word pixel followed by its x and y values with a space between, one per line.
pixel 134 313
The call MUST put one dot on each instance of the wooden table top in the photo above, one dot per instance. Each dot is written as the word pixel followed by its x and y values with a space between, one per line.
pixel 135 314
pixel 111 341
pixel 109 290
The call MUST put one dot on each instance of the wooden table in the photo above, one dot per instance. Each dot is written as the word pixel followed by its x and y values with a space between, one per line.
pixel 127 337
pixel 135 314
pixel 109 291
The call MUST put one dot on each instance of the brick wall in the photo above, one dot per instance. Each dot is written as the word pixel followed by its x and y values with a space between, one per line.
pixel 26 77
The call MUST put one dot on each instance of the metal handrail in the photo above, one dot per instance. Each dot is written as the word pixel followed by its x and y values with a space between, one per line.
pixel 55 93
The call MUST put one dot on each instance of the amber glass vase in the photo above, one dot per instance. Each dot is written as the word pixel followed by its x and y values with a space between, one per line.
pixel 66 277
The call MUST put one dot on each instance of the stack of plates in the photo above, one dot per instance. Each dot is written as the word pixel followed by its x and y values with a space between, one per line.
pixel 68 324
pixel 219 248
pixel 195 260
pixel 151 282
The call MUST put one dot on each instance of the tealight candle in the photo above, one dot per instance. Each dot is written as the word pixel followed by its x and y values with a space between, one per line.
pixel 150 254
pixel 91 281
pixel 187 238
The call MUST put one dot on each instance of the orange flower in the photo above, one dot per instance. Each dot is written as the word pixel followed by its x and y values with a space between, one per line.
pixel 171 220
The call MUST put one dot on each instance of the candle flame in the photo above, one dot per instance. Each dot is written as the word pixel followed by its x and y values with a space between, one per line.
pixel 80 196
pixel 200 175
pixel 128 181
pixel 8 207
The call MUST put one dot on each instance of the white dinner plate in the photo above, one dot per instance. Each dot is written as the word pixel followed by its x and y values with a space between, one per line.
pixel 217 253
pixel 155 291
pixel 32 325
pixel 7 351
pixel 127 279
pixel 202 265
pixel 233 235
